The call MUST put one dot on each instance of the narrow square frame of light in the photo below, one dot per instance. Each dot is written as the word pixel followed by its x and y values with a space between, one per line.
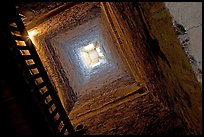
pixel 91 55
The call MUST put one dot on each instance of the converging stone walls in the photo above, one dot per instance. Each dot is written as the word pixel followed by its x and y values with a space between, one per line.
pixel 146 84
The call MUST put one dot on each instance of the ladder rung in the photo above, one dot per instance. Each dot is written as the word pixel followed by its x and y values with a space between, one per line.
pixel 26 57
pixel 54 112
pixel 49 103
pixel 41 85
pixel 58 121
pixel 23 47
pixel 12 28
pixel 32 66
pixel 63 129
pixel 19 38
pixel 36 75
pixel 45 95
pixel 21 16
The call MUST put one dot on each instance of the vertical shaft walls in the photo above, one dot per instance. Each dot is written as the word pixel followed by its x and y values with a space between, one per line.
pixel 58 41
pixel 163 66
pixel 147 49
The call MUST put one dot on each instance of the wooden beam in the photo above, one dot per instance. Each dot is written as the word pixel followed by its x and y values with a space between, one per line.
pixel 50 14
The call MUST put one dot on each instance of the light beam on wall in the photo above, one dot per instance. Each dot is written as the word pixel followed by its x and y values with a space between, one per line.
pixel 31 35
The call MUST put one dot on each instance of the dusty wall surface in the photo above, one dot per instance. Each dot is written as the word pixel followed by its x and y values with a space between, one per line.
pixel 56 74
pixel 54 43
pixel 113 111
pixel 189 15
pixel 162 64
pixel 51 61
pixel 34 11
pixel 152 56
pixel 123 43
pixel 183 92
pixel 123 111
pixel 67 45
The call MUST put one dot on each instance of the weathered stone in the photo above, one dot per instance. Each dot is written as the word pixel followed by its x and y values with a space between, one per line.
pixel 147 88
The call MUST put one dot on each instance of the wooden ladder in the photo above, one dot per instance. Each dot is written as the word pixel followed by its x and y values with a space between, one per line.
pixel 37 76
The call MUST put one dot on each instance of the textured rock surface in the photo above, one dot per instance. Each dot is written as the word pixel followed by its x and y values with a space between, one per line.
pixel 189 15
pixel 123 111
pixel 59 36
pixel 34 11
pixel 171 82
pixel 147 54
pixel 183 92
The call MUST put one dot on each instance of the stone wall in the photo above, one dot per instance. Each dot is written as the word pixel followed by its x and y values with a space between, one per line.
pixel 187 18
pixel 162 64
pixel 153 63
pixel 146 51
pixel 183 92
pixel 55 45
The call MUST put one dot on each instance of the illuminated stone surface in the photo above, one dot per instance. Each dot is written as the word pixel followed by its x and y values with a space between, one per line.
pixel 108 102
